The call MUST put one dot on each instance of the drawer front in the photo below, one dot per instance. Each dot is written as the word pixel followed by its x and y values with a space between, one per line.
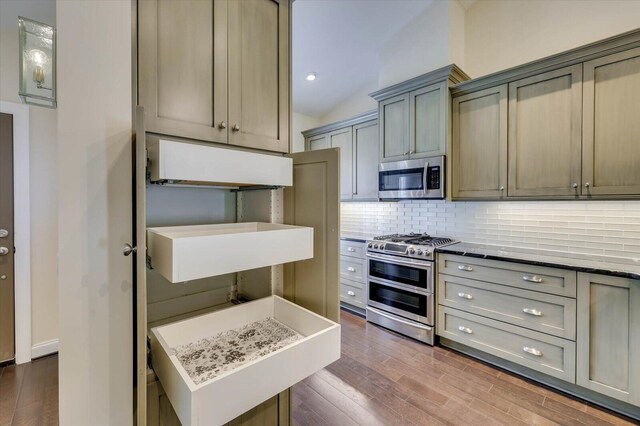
pixel 529 277
pixel 353 269
pixel 352 249
pixel 352 293
pixel 541 352
pixel 547 313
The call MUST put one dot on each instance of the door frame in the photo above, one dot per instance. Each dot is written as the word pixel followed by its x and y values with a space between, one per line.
pixel 22 228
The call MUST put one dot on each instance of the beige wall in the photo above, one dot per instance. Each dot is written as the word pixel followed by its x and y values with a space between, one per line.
pixel 299 123
pixel 95 211
pixel 501 34
pixel 353 105
pixel 43 170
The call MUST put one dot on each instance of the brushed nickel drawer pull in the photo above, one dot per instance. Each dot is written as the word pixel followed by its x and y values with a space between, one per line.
pixel 465 329
pixel 532 351
pixel 465 268
pixel 532 311
pixel 351 269
pixel 532 278
pixel 350 249
pixel 465 296
pixel 351 293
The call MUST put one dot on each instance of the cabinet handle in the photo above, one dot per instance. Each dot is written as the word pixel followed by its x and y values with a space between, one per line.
pixel 532 278
pixel 465 329
pixel 351 293
pixel 532 351
pixel 222 125
pixel 350 249
pixel 465 296
pixel 574 186
pixel 465 268
pixel 235 128
pixel 532 311
pixel 351 269
pixel 4 233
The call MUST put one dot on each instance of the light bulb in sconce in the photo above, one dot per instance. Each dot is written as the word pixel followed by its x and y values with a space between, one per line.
pixel 39 59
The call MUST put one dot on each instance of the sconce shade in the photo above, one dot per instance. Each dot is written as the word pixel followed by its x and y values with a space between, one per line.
pixel 37 63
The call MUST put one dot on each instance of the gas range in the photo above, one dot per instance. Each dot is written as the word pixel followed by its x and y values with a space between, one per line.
pixel 417 246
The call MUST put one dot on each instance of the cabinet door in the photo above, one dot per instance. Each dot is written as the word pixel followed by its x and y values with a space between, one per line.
pixel 315 143
pixel 259 74
pixel 343 139
pixel 608 340
pixel 182 60
pixel 611 132
pixel 394 128
pixel 479 144
pixel 427 127
pixel 365 163
pixel 545 126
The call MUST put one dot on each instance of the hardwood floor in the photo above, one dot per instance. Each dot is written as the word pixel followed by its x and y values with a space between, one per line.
pixel 383 378
pixel 29 393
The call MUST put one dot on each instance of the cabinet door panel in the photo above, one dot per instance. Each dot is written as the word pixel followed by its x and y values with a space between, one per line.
pixel 611 152
pixel 608 336
pixel 259 74
pixel 343 139
pixel 182 59
pixel 366 148
pixel 545 127
pixel 427 121
pixel 479 144
pixel 317 142
pixel 394 128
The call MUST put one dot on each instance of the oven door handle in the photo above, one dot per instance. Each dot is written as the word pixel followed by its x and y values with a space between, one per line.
pixel 424 177
pixel 421 264
pixel 398 286
pixel 396 318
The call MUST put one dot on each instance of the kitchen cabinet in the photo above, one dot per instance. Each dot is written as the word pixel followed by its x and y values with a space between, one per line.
pixel 357 139
pixel 353 273
pixel 545 127
pixel 414 115
pixel 611 126
pixel 608 336
pixel 216 70
pixel 479 144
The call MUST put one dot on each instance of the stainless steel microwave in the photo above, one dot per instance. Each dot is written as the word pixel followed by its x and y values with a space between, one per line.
pixel 412 179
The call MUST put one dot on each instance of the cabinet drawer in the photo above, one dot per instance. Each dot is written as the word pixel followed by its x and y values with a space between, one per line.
pixel 352 293
pixel 352 249
pixel 541 352
pixel 547 313
pixel 352 268
pixel 529 277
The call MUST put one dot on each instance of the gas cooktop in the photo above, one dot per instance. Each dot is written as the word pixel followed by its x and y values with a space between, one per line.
pixel 413 245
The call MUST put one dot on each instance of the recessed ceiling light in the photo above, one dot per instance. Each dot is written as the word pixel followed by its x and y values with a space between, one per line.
pixel 311 76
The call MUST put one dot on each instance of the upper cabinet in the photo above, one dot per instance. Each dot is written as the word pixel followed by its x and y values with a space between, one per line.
pixel 414 115
pixel 357 140
pixel 216 70
pixel 572 127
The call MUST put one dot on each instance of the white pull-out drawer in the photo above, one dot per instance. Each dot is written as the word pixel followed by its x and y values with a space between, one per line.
pixel 183 253
pixel 353 269
pixel 529 277
pixel 548 354
pixel 352 249
pixel 217 366
pixel 547 313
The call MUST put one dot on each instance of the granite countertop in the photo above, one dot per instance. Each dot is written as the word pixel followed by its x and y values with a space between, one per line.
pixel 606 265
pixel 356 236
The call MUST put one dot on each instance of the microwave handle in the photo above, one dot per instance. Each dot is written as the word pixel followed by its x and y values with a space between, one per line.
pixel 424 176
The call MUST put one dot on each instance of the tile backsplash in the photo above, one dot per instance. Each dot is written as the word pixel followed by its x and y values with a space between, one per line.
pixel 610 228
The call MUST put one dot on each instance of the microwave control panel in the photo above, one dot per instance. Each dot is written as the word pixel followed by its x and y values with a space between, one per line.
pixel 433 177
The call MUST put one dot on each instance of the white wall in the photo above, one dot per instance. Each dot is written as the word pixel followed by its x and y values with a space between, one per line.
pixel 299 123
pixel 43 170
pixel 501 34
pixel 353 105
pixel 95 212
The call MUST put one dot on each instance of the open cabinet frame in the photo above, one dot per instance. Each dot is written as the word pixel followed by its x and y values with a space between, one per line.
pixel 312 201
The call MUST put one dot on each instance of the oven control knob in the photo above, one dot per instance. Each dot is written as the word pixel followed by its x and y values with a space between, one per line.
pixel 412 250
pixel 376 246
pixel 370 245
pixel 419 252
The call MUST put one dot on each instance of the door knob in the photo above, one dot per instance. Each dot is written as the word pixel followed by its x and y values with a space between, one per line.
pixel 4 251
pixel 128 249
pixel 4 233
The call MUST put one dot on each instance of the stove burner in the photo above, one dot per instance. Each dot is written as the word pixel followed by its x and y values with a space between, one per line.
pixel 414 238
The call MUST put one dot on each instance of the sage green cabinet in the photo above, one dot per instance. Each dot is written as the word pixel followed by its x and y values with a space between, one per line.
pixel 608 340
pixel 316 142
pixel 365 161
pixel 216 70
pixel 343 139
pixel 394 128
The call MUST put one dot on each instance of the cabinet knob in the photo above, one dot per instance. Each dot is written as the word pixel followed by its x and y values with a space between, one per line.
pixel 406 153
pixel 4 251
pixel 502 188
pixel 587 185
pixel 222 125
pixel 3 277
pixel 532 278
pixel 4 233
pixel 235 128
pixel 351 249
pixel 411 152
pixel 575 185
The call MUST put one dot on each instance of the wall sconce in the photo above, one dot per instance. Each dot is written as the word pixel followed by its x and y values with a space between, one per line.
pixel 37 63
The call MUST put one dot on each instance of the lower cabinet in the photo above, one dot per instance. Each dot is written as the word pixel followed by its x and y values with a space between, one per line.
pixel 353 273
pixel 609 336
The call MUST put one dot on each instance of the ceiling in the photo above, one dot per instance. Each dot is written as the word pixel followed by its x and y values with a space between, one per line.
pixel 340 40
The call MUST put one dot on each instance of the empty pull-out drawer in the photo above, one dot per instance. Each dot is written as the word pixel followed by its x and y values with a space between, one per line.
pixel 183 253
pixel 538 311
pixel 548 354
pixel 217 366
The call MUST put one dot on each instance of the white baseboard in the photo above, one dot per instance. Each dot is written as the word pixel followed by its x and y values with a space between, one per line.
pixel 44 348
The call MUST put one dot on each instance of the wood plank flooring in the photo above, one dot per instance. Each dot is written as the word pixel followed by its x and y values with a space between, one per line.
pixel 29 393
pixel 383 378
